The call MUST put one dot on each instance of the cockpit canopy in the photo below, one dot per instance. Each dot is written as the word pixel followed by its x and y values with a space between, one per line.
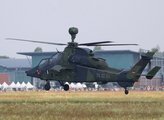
pixel 49 62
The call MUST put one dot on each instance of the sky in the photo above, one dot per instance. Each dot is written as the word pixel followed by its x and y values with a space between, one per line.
pixel 122 21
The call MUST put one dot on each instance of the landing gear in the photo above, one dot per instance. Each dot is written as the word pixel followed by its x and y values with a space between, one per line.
pixel 66 86
pixel 126 91
pixel 47 86
pixel 125 85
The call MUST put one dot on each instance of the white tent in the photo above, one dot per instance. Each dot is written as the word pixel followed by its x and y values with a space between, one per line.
pixel 4 86
pixel 12 85
pixel 96 85
pixel 79 85
pixel 28 85
pixel 72 85
pixel 84 86
pixel 23 85
pixel 66 83
pixel 1 86
pixel 18 85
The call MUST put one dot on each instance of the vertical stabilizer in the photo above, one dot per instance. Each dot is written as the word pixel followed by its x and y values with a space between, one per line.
pixel 138 68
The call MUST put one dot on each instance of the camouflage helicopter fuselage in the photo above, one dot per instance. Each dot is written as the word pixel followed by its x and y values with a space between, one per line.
pixel 80 65
pixel 74 65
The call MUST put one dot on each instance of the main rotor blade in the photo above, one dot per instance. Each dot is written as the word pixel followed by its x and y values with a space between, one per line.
pixel 111 44
pixel 35 41
pixel 94 43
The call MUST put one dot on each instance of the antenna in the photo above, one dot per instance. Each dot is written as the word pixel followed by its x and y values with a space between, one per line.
pixel 57 50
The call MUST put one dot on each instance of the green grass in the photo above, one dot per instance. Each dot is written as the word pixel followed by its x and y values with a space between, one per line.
pixel 81 105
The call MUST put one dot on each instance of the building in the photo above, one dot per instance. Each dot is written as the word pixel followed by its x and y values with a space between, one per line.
pixel 120 59
pixel 15 68
pixel 4 78
pixel 158 60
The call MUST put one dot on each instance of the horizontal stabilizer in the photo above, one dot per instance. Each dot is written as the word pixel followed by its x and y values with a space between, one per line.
pixel 152 72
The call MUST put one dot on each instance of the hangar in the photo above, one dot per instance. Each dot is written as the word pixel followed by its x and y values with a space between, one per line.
pixel 120 59
pixel 15 69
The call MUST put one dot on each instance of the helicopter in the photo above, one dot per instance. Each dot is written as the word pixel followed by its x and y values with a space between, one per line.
pixel 76 64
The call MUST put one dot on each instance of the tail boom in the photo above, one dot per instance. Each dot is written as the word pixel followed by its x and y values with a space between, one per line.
pixel 127 78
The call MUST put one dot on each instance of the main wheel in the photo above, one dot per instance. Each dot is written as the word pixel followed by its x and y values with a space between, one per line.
pixel 66 87
pixel 126 92
pixel 47 86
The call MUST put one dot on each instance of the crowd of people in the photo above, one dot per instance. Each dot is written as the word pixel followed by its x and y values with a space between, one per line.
pixel 98 89
pixel 113 89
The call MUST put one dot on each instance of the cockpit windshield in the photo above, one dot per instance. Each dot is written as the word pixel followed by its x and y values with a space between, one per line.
pixel 43 63
pixel 55 58
pixel 49 62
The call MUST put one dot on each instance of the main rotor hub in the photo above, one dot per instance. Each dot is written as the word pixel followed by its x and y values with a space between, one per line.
pixel 73 31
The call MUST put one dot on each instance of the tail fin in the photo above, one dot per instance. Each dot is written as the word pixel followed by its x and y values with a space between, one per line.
pixel 152 73
pixel 140 65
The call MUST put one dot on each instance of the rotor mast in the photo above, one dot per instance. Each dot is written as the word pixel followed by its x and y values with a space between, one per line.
pixel 73 31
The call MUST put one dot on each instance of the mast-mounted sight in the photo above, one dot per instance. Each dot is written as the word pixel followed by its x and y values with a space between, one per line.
pixel 73 31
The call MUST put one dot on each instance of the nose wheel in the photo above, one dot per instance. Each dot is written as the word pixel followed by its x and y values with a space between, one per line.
pixel 47 86
pixel 126 91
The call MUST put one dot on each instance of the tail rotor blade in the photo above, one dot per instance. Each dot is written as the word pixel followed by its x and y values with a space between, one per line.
pixel 149 66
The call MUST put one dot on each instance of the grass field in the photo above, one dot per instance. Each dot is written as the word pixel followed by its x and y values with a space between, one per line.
pixel 82 105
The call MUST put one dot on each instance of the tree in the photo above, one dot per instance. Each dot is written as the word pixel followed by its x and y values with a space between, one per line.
pixel 155 49
pixel 4 57
pixel 97 48
pixel 38 49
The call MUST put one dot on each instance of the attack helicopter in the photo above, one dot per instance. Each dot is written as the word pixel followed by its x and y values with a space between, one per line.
pixel 77 64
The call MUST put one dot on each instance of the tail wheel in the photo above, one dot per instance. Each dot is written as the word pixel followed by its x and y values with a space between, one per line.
pixel 126 91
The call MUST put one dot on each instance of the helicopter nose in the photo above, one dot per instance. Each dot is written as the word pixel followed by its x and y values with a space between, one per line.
pixel 32 72
pixel 28 72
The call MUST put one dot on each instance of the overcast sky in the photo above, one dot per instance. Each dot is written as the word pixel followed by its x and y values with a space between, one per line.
pixel 122 21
